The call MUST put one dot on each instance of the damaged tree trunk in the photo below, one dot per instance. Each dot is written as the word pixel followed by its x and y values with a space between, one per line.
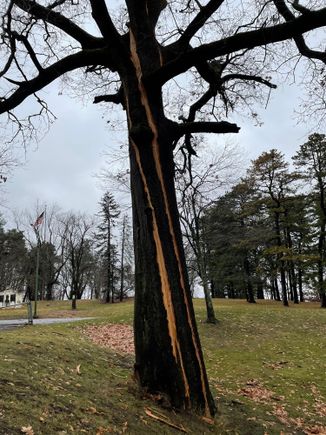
pixel 169 359
pixel 168 353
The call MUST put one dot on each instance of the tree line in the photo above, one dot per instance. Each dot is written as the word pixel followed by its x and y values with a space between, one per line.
pixel 265 236
pixel 79 256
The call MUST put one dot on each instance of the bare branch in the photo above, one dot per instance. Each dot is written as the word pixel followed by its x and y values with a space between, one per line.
pixel 203 15
pixel 58 20
pixel 182 60
pixel 143 13
pixel 248 77
pixel 48 75
pixel 110 98
pixel 29 49
pixel 205 127
pixel 103 20
pixel 299 7
pixel 299 39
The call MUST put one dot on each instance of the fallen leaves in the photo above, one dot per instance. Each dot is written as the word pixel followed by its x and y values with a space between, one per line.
pixel 315 430
pixel 93 410
pixel 119 337
pixel 319 405
pixel 277 365
pixel 28 430
pixel 112 429
pixel 255 391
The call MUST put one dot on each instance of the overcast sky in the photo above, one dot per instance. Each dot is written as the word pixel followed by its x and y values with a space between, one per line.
pixel 63 167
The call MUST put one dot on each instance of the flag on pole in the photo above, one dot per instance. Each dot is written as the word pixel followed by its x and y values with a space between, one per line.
pixel 39 220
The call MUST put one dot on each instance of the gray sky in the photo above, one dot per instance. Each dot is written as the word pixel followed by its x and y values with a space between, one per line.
pixel 62 169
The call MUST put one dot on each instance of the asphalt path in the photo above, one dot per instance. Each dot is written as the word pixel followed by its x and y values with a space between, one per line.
pixel 14 323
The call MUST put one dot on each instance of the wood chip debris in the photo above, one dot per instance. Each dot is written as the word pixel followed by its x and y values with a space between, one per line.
pixel 165 420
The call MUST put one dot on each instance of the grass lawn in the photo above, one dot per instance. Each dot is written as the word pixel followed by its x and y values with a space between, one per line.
pixel 266 366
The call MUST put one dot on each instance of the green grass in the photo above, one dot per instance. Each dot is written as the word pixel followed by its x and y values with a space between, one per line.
pixel 266 366
pixel 85 308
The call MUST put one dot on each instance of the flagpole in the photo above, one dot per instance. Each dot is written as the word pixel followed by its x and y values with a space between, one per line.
pixel 35 316
pixel 45 216
pixel 38 222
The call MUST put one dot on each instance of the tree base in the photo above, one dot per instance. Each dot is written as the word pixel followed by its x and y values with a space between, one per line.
pixel 212 321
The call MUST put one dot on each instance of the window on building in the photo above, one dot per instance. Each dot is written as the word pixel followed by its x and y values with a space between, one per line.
pixel 13 298
pixel 2 298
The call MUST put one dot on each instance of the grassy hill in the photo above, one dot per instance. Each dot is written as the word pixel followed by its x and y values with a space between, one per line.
pixel 266 366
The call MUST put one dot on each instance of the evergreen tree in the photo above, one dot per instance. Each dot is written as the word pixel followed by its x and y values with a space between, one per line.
pixel 311 161
pixel 13 256
pixel 109 212
pixel 235 235
pixel 272 179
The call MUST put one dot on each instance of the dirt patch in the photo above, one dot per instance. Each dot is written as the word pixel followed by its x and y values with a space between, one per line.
pixel 118 337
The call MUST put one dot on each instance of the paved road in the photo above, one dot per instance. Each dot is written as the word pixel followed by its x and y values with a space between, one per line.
pixel 13 323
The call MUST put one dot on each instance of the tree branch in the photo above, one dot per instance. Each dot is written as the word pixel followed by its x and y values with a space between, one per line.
pixel 203 15
pixel 29 49
pixel 248 77
pixel 182 61
pixel 299 40
pixel 144 12
pixel 48 75
pixel 103 20
pixel 204 127
pixel 110 98
pixel 197 105
pixel 58 20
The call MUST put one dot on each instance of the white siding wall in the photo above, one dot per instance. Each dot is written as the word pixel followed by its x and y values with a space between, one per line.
pixel 8 295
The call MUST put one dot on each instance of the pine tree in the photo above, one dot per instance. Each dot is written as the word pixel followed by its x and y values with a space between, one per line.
pixel 311 161
pixel 109 212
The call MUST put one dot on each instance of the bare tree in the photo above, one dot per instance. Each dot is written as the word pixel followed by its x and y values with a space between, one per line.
pixel 7 163
pixel 51 240
pixel 198 184
pixel 230 53
pixel 126 260
pixel 77 233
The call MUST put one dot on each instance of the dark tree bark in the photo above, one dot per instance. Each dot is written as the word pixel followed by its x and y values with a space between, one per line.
pixel 49 291
pixel 280 259
pixel 321 248
pixel 277 292
pixel 260 289
pixel 300 284
pixel 164 317
pixel 162 332
pixel 291 266
pixel 250 289
pixel 216 291
pixel 122 270
pixel 311 159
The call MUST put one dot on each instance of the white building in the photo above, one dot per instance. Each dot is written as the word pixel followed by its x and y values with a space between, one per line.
pixel 10 297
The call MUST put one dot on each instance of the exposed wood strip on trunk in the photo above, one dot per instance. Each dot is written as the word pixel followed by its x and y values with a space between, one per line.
pixel 166 288
pixel 165 284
